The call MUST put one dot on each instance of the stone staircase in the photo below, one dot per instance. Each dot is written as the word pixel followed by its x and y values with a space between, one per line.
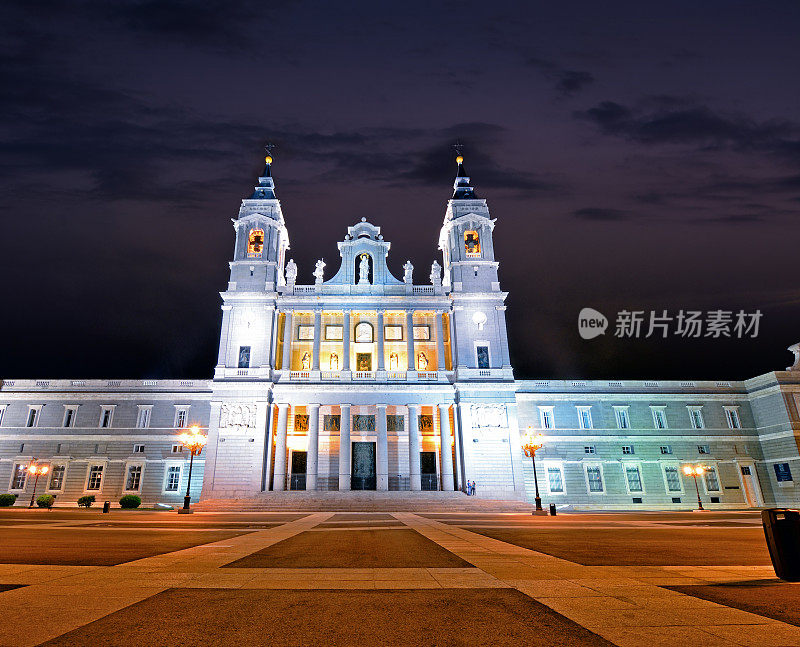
pixel 361 501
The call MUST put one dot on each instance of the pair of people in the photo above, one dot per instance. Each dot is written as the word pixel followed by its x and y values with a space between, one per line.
pixel 470 488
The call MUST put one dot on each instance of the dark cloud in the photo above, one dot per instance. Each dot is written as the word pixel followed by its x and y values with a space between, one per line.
pixel 600 214
pixel 567 82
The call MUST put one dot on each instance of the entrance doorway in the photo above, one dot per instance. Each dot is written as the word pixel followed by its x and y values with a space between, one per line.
pixel 363 474
pixel 427 470
pixel 363 361
pixel 752 493
pixel 298 479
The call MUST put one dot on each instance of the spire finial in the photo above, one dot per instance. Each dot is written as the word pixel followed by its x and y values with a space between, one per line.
pixel 268 148
pixel 458 147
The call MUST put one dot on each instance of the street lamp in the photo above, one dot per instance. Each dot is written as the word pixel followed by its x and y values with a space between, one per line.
pixel 194 441
pixel 36 470
pixel 530 443
pixel 695 471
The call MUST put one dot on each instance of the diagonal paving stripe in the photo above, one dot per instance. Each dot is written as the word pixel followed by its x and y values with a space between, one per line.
pixel 69 599
pixel 626 607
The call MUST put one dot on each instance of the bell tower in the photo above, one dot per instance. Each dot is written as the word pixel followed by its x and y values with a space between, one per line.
pixel 257 269
pixel 470 274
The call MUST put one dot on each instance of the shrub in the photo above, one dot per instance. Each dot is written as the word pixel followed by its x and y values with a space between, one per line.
pixel 86 501
pixel 130 501
pixel 46 501
pixel 7 500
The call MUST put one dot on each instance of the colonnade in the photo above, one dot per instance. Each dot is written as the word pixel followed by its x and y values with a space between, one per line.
pixel 280 478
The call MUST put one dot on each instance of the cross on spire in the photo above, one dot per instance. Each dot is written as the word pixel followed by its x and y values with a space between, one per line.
pixel 458 147
pixel 268 148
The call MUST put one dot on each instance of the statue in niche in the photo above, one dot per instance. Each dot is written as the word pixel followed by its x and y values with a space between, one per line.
pixel 334 362
pixel 393 361
pixel 291 272
pixel 363 270
pixel 436 273
pixel 422 361
pixel 305 362
pixel 319 271
pixel 408 270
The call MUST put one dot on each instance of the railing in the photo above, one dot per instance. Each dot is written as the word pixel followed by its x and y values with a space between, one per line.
pixel 430 482
pixel 422 289
pixel 397 375
pixel 364 375
pixel 484 372
pixel 297 482
pixel 299 375
pixel 330 375
pixel 428 375
pixel 473 254
pixel 305 289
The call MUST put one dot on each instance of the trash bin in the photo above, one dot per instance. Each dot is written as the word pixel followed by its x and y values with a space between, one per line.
pixel 782 530
pixel 106 506
pixel 552 509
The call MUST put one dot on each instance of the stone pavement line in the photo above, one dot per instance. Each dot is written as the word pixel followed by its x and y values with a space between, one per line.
pixel 69 599
pixel 626 607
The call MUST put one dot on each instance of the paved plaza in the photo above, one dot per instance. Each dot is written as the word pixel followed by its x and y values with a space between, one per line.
pixel 70 577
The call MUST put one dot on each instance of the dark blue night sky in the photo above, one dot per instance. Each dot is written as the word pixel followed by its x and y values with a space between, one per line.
pixel 637 155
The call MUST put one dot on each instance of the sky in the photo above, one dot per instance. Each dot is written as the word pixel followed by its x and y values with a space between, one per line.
pixel 638 156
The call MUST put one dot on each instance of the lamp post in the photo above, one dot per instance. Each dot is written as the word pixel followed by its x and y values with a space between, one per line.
pixel 36 470
pixel 695 471
pixel 530 443
pixel 194 441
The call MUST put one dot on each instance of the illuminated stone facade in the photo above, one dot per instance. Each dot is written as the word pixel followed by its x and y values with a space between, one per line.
pixel 363 380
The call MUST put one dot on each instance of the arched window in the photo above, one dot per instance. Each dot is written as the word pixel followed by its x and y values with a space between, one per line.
pixel 255 243
pixel 472 243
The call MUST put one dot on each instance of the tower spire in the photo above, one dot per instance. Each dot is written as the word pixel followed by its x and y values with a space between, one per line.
pixel 266 185
pixel 462 190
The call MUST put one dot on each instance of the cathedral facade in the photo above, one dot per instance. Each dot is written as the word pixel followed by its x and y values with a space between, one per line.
pixel 366 381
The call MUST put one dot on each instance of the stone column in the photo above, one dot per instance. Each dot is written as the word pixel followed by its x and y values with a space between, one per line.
pixel 259 445
pixel 345 448
pixel 287 340
pixel 440 340
pixel 413 447
pixel 317 330
pixel 412 361
pixel 222 358
pixel 381 361
pixel 346 353
pixel 382 450
pixel 279 477
pixel 312 455
pixel 446 448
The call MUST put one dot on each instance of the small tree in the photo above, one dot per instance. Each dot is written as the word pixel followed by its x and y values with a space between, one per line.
pixel 130 501
pixel 46 501
pixel 7 500
pixel 86 501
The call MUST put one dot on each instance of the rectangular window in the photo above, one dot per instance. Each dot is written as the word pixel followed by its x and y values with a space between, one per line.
pixel 627 450
pixel 634 478
pixel 589 449
pixel 621 414
pixel 712 481
pixel 732 417
pixel 244 356
pixel 138 449
pixel 585 417
pixel 483 356
pixel 69 416
pixel 555 480
pixel 673 478
pixel 703 449
pixel 173 478
pixel 666 449
pixel 594 477
pixel 33 417
pixel 783 472
pixel 181 416
pixel 95 477
pixel 19 477
pixel 659 418
pixel 177 449
pixel 143 419
pixel 106 414
pixel 696 416
pixel 134 479
pixel 546 417
pixel 57 477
